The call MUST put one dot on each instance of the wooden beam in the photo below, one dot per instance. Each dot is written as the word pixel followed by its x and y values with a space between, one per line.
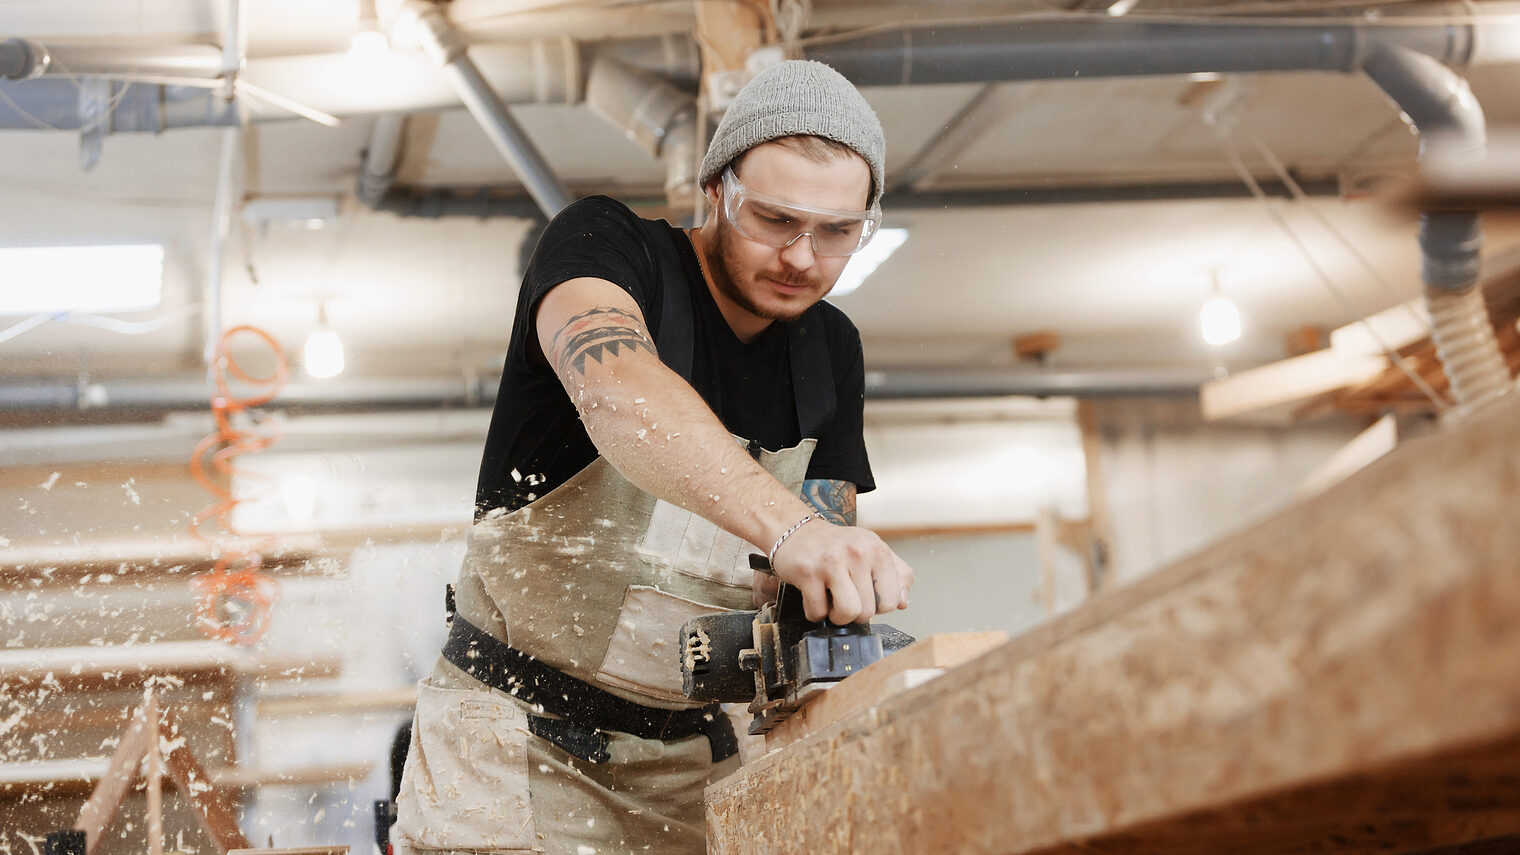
pixel 1287 381
pixel 116 779
pixel 338 703
pixel 55 777
pixel 128 562
pixel 1339 678
pixel 728 32
pixel 216 812
pixel 130 664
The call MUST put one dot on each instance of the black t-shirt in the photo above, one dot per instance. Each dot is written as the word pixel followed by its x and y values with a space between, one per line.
pixel 536 440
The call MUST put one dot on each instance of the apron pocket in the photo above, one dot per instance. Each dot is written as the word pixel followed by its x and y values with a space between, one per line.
pixel 644 653
pixel 466 779
pixel 687 543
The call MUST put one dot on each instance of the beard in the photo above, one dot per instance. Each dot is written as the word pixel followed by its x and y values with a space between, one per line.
pixel 728 264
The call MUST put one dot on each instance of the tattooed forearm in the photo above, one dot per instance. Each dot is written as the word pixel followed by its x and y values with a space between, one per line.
pixel 598 334
pixel 834 499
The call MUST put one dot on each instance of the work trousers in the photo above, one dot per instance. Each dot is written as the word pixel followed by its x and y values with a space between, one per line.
pixel 477 780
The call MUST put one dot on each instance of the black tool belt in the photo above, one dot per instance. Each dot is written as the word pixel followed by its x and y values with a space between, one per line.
pixel 586 714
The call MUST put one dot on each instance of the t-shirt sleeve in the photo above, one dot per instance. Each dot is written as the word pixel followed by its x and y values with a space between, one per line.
pixel 841 451
pixel 593 237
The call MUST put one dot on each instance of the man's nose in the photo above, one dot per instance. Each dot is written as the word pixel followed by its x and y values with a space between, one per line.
pixel 801 252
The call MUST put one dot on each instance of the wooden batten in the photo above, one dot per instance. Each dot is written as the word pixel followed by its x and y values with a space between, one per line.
pixel 1339 678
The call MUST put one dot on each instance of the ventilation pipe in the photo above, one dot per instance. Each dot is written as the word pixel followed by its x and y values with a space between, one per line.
pixel 382 157
pixel 652 113
pixel 1439 104
pixel 443 43
pixel 1404 60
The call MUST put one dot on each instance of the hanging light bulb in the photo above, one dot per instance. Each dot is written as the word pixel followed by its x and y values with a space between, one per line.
pixel 1219 318
pixel 323 355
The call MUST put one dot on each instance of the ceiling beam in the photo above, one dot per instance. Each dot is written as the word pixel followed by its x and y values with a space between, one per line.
pixel 981 113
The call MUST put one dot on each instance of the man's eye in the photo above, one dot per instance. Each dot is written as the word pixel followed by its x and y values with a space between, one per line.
pixel 776 221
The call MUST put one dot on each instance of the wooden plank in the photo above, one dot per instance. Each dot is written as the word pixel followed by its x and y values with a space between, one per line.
pixel 337 703
pixel 116 779
pixel 138 560
pixel 132 663
pixel 875 683
pixel 78 774
pixel 1287 381
pixel 216 812
pixel 1339 678
pixel 154 772
pixel 1369 445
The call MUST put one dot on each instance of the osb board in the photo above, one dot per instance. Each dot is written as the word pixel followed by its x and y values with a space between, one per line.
pixel 1339 678
pixel 875 682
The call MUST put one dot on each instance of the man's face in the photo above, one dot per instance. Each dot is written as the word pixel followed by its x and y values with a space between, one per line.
pixel 774 284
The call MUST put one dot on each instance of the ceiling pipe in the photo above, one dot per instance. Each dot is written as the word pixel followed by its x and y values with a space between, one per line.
pixel 382 157
pixel 1404 58
pixel 356 394
pixel 55 104
pixel 443 43
pixel 1443 109
pixel 653 113
pixel 21 59
pixel 1008 51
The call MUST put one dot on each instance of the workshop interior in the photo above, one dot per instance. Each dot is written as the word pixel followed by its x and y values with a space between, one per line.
pixel 1190 339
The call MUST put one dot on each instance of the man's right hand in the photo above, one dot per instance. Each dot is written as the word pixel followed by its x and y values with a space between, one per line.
pixel 844 573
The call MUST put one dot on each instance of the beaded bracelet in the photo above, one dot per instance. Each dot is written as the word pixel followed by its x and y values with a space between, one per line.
pixel 789 532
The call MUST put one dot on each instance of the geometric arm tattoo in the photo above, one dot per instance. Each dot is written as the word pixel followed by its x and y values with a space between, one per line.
pixel 598 334
pixel 834 499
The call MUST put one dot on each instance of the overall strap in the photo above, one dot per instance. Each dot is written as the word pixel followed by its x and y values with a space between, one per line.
pixel 812 373
pixel 675 338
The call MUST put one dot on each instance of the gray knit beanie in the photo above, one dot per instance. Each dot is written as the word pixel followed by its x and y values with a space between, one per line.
pixel 798 96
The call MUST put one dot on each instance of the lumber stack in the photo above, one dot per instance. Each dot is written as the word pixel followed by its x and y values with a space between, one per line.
pixel 1339 678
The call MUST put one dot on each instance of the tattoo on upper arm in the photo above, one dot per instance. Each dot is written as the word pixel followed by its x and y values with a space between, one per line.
pixel 599 335
pixel 834 499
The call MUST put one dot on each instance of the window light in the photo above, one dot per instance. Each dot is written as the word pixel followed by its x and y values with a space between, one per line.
pixel 52 279
pixel 864 263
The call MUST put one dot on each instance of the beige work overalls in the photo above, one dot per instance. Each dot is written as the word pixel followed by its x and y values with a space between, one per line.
pixel 595 579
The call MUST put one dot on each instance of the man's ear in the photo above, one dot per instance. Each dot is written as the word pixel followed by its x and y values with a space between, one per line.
pixel 713 190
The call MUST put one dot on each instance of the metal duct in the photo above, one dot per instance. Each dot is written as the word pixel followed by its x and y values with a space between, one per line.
pixel 1405 59
pixel 76 60
pixel 444 44
pixel 652 113
pixel 984 52
pixel 58 104
pixel 377 171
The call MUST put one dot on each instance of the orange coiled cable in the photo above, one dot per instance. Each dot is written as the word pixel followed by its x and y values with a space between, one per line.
pixel 235 599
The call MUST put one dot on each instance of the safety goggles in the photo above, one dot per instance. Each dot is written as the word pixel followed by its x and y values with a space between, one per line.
pixel 779 223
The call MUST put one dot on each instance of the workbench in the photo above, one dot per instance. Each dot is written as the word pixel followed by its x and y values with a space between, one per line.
pixel 1343 677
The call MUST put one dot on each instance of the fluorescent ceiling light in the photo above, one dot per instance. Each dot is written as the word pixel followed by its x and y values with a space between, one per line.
pixel 306 212
pixel 864 263
pixel 52 279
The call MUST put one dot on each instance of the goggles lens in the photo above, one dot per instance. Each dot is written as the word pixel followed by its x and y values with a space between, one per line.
pixel 779 223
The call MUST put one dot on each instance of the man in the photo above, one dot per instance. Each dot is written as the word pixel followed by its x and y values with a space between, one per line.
pixel 666 397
